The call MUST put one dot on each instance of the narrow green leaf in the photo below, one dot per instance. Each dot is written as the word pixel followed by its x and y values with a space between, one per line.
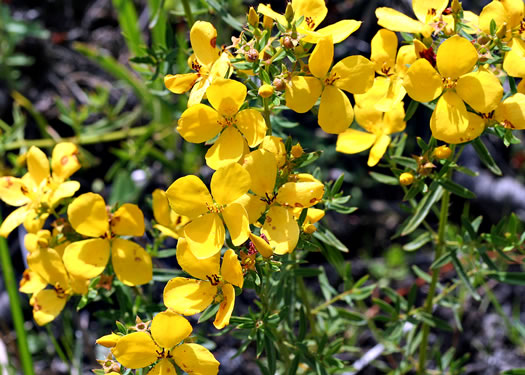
pixel 423 208
pixel 412 107
pixel 418 242
pixel 485 157
pixel 384 179
pixel 515 278
pixel 209 312
pixel 463 276
pixel 457 189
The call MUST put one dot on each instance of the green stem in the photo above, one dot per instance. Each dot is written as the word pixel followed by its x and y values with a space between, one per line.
pixel 440 247
pixel 187 11
pixel 80 140
pixel 16 309
pixel 266 115
pixel 56 345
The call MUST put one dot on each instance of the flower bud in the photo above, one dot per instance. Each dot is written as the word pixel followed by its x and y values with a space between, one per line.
pixel 502 31
pixel 442 152
pixel 406 178
pixel 279 84
pixel 265 91
pixel 309 229
pixel 267 22
pixel 287 42
pixel 456 6
pixel 288 13
pixel 252 55
pixel 253 17
pixel 108 341
pixel 297 151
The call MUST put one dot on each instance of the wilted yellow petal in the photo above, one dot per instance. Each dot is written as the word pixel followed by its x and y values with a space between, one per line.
pixel 87 215
pixel 128 220
pixel 426 10
pixel 335 111
pixel 339 31
pixel 393 20
pixel 13 220
pixel 37 165
pixel 64 161
pixel 195 359
pixel 227 149
pixel 492 11
pixel 180 83
pixel 302 93
pixel 205 235
pixel 354 74
pixel 262 167
pixel 378 149
pixel 188 296
pixel 481 90
pixel 252 125
pixel 222 319
pixel 136 350
pixel 353 141
pixel 199 123
pixel 226 96
pixel 321 58
pixel 512 111
pixel 237 221
pixel 203 39
pixel 199 268
pixel 384 50
pixel 422 82
pixel 229 183
pixel 188 196
pixel 231 269
pixel 131 262
pixel 281 229
pixel 455 56
pixel 47 305
pixel 168 329
pixel 86 258
pixel 12 191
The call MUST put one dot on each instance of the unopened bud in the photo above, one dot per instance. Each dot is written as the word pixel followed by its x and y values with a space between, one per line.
pixel 108 341
pixel 253 17
pixel 502 31
pixel 267 22
pixel 279 84
pixel 406 178
pixel 288 13
pixel 309 229
pixel 265 91
pixel 483 40
pixel 297 151
pixel 287 42
pixel 456 6
pixel 252 55
pixel 442 152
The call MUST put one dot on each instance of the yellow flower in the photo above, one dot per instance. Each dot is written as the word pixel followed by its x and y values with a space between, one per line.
pixel 450 121
pixel 207 62
pixel 88 258
pixel 188 196
pixel 354 74
pixel 169 223
pixel 379 125
pixel 189 296
pixel 314 12
pixel 511 112
pixel 238 129
pixel 39 190
pixel 140 349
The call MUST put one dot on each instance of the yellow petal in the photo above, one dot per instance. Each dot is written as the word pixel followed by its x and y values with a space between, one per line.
pixel 302 93
pixel 64 190
pixel 237 221
pixel 422 82
pixel 384 50
pixel 227 149
pixel 33 221
pixel 226 104
pixel 37 165
pixel 268 12
pixel 515 10
pixel 162 367
pixel 188 196
pixel 355 74
pixel 339 31
pixel 396 21
pixel 108 341
pixel 31 282
pixel 335 111
pixel 198 91
pixel 393 97
pixel 64 161
pixel 229 183
pixel 48 264
pixel 12 191
pixel 426 10
pixel 13 220
pixel 203 39
pixel 394 120
pixel 180 83
pixel 47 305
pixel 86 258
pixel 262 167
pixel 451 123
pixel 168 329
pixel 321 58
pixel 315 10
pixel 253 205
pixel 205 235
pixel 128 220
pixel 195 359
pixel 471 21
pixel 276 146
pixel 281 229
pixel 512 111
pixel 87 215
pixel 131 262
pixel 481 90
pixel 161 207
pixel 252 125
pixel 135 350
pixel 300 194
pixel 261 245
pixel 199 268
pixel 353 141
pixel 199 123
pixel 493 11
pixel 456 56
pixel 222 319
pixel 188 296
pixel 231 269
pixel 169 232
pixel 514 61
pixel 378 149
pixel 406 55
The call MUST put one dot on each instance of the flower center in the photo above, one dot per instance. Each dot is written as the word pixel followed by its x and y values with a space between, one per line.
pixel 214 279
pixel 310 22
pixel 449 83
pixel 226 121
pixel 331 79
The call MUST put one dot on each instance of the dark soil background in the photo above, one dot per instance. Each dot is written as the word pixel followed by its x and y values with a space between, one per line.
pixel 59 71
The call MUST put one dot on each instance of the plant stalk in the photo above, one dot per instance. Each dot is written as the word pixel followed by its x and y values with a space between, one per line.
pixel 187 11
pixel 266 115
